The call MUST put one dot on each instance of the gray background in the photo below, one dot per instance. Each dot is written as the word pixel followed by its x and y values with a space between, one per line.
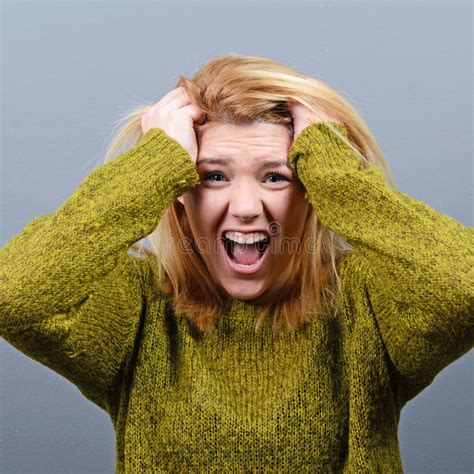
pixel 69 70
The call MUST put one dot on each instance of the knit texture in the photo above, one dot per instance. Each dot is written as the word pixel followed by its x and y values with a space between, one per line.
pixel 326 398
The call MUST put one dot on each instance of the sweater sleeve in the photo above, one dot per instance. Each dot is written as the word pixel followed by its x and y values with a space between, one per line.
pixel 419 278
pixel 71 295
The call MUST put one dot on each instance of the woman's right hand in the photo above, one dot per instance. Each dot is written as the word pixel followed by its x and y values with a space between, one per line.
pixel 175 114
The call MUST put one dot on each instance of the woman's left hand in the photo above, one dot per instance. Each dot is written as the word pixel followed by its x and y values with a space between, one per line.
pixel 302 117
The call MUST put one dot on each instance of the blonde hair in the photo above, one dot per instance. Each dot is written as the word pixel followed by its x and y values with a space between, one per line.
pixel 242 89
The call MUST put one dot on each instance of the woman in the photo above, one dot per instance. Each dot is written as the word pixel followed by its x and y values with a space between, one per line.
pixel 292 302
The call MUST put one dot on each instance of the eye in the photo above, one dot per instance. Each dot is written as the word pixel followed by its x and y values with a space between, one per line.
pixel 209 176
pixel 278 176
pixel 216 177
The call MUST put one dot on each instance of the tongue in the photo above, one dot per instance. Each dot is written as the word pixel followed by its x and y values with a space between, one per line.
pixel 246 254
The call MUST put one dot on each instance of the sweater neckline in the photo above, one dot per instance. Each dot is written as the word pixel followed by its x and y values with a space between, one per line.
pixel 241 308
pixel 240 314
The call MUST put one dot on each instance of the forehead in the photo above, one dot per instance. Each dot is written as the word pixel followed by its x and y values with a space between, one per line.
pixel 260 140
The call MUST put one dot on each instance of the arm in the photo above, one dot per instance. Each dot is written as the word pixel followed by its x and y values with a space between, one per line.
pixel 420 262
pixel 71 295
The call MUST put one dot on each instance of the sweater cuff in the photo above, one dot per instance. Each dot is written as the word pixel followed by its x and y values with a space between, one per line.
pixel 158 154
pixel 318 147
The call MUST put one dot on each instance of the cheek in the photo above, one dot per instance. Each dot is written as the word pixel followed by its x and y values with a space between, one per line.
pixel 197 203
pixel 293 212
pixel 200 209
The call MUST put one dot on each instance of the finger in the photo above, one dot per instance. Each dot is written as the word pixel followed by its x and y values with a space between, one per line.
pixel 297 109
pixel 194 112
pixel 177 102
pixel 170 96
pixel 199 117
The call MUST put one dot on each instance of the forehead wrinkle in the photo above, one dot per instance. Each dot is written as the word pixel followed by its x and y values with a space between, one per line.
pixel 260 162
pixel 258 140
pixel 223 152
pixel 235 142
pixel 227 147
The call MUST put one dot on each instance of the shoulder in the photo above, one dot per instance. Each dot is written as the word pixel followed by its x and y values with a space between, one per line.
pixel 144 268
pixel 354 273
pixel 353 268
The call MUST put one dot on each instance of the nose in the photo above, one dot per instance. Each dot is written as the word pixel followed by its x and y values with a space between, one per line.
pixel 245 202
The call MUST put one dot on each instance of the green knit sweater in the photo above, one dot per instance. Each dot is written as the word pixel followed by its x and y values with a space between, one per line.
pixel 324 399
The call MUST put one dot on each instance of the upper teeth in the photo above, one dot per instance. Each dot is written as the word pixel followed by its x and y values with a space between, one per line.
pixel 245 238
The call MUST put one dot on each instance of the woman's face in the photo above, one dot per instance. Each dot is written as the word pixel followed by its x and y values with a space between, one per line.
pixel 246 187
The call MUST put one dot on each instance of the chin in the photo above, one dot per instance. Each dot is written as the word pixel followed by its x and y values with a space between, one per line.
pixel 244 292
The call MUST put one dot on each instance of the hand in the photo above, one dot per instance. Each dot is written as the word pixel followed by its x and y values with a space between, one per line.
pixel 175 114
pixel 302 117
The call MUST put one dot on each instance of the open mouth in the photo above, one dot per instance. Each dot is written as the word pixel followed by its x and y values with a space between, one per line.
pixel 245 254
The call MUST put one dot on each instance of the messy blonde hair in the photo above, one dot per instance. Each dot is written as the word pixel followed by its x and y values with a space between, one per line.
pixel 240 89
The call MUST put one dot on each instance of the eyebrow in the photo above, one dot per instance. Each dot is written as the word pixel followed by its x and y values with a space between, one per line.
pixel 262 164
